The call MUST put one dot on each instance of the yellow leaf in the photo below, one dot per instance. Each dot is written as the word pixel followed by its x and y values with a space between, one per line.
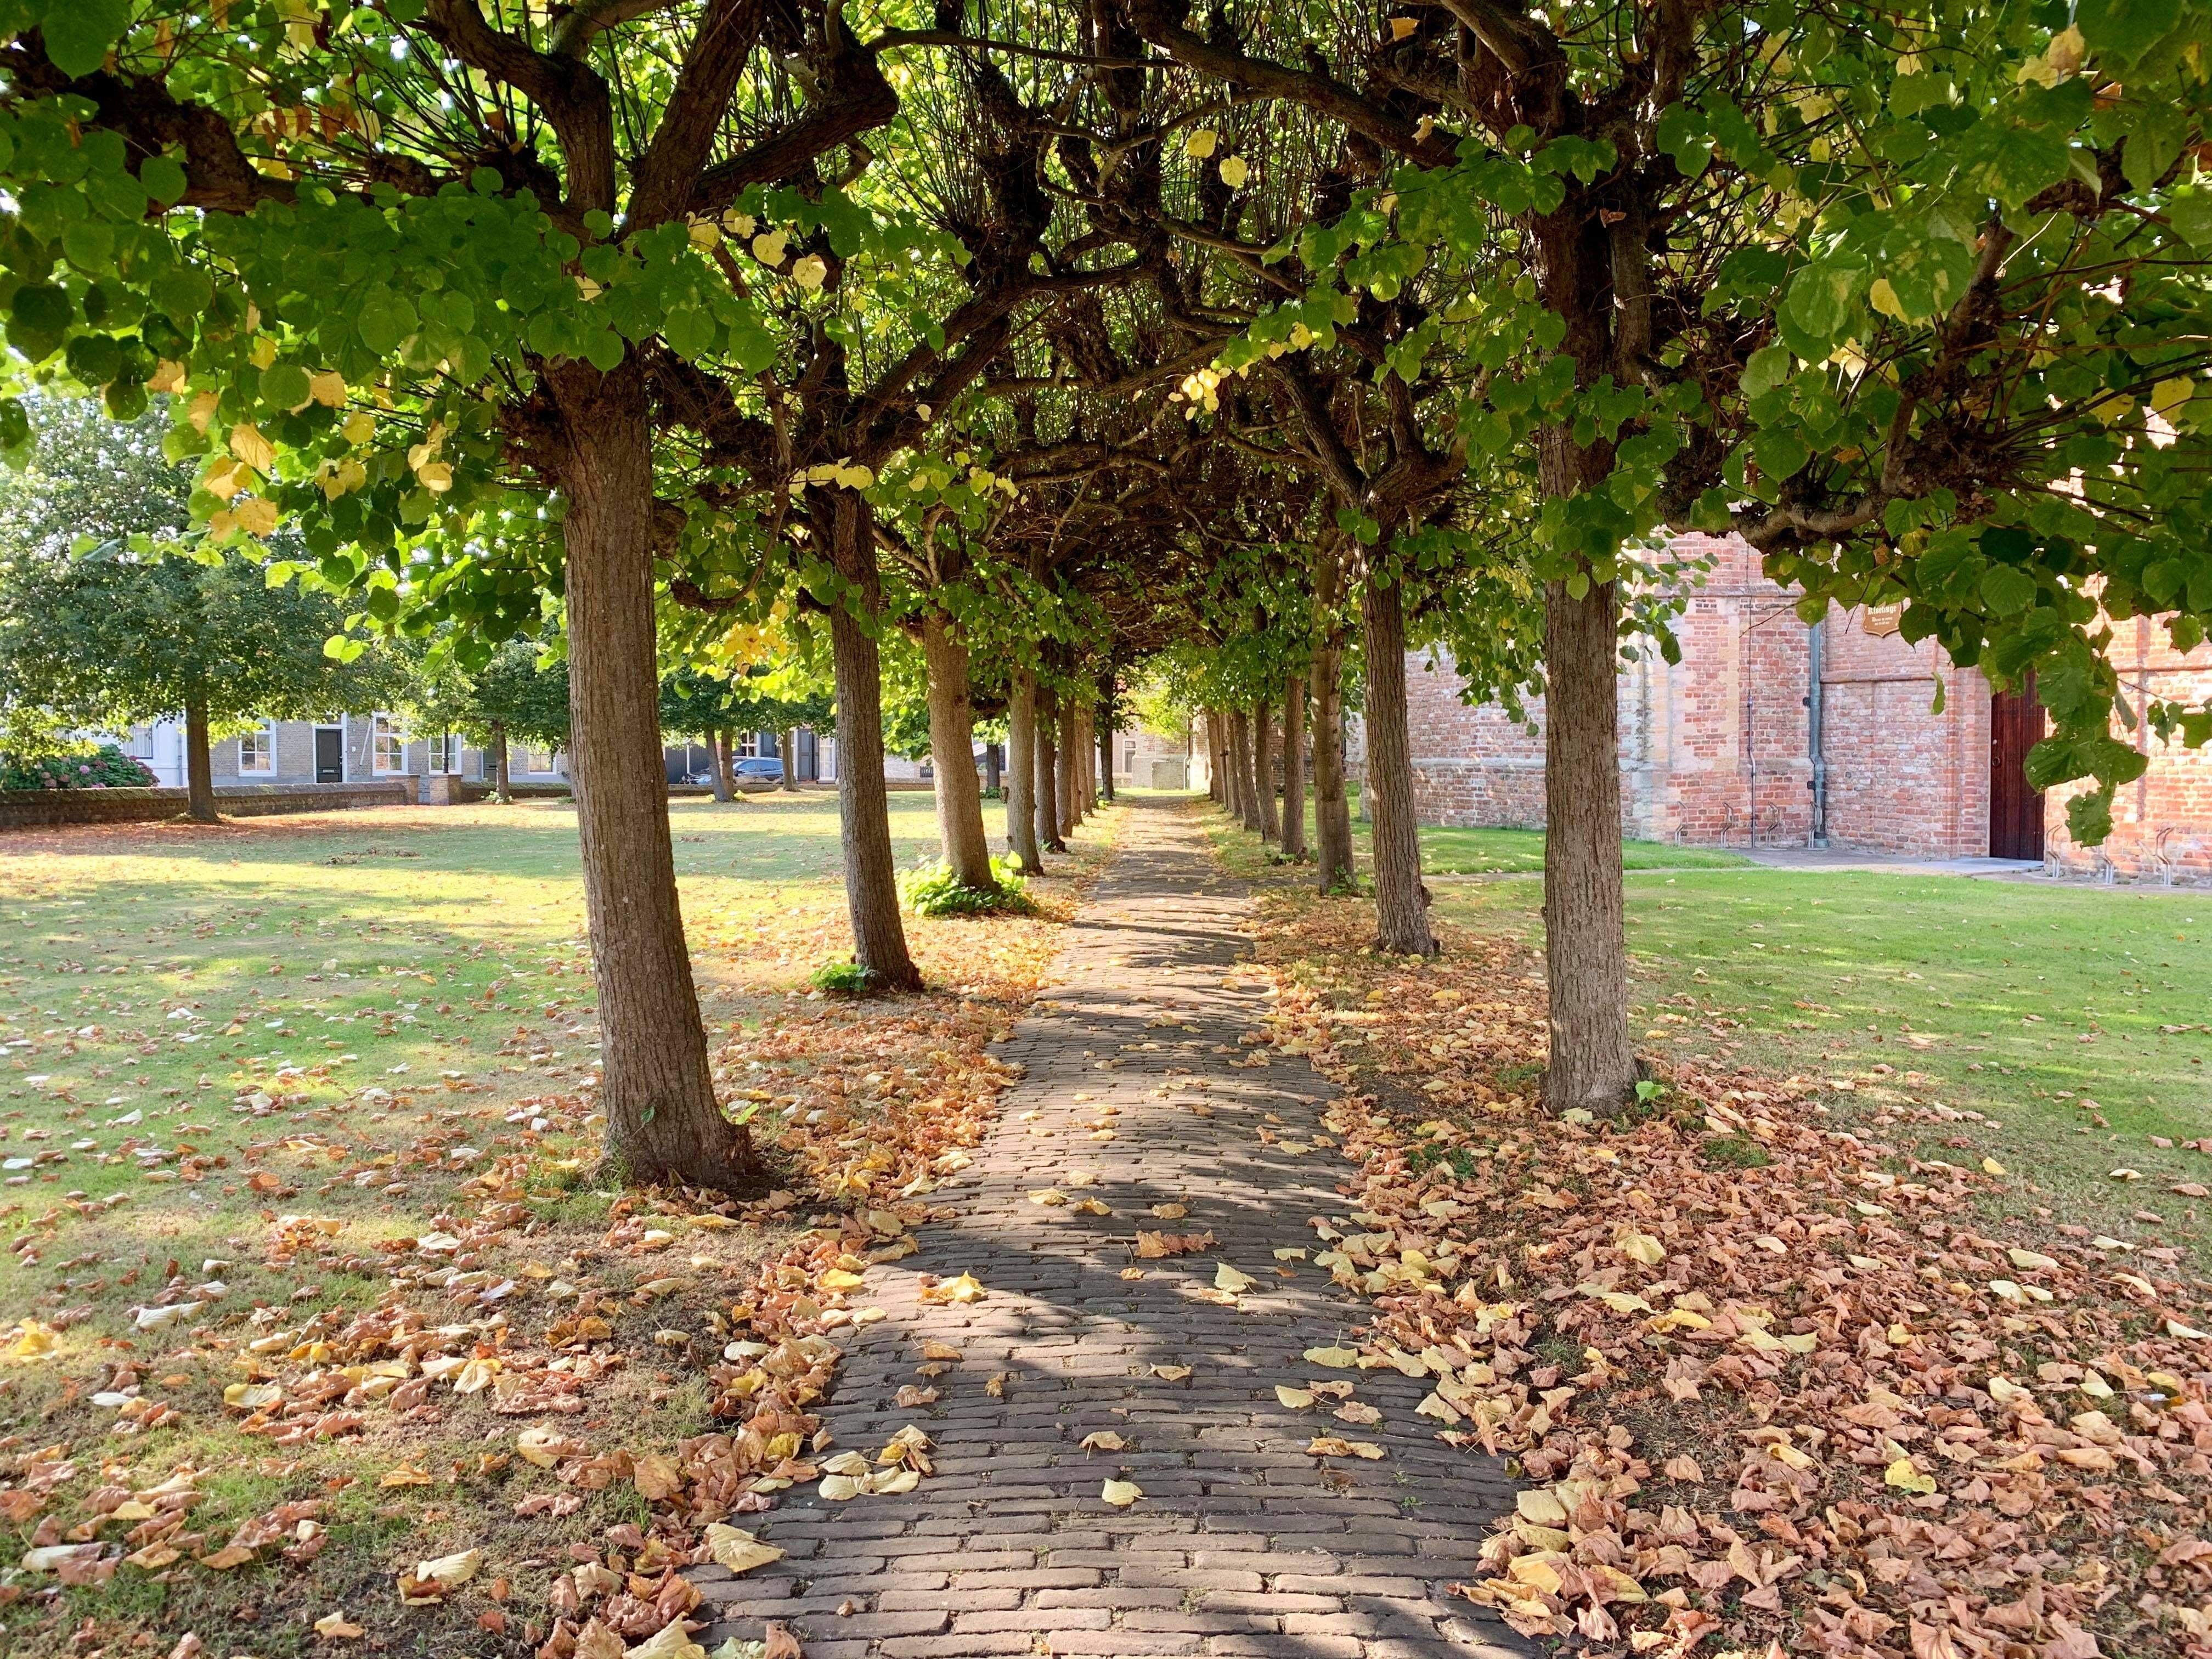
pixel 1199 145
pixel 768 247
pixel 1883 298
pixel 257 516
pixel 336 1627
pixel 1990 1166
pixel 738 1550
pixel 1235 170
pixel 1104 1440
pixel 436 476
pixel 669 1642
pixel 1121 1493
pixel 359 427
pixel 1339 1359
pixel 1296 1399
pixel 32 1340
pixel 1540 1505
pixel 1642 1247
pixel 1171 1373
pixel 838 1279
pixel 1226 1277
pixel 2168 396
pixel 811 272
pixel 964 1289
pixel 328 388
pixel 1402 26
pixel 1902 1475
pixel 2030 1261
pixel 432 1579
pixel 250 446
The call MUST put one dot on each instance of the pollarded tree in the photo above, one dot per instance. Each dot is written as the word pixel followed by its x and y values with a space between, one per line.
pixel 518 694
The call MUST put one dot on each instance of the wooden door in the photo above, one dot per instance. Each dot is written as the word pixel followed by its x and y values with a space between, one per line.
pixel 2015 809
pixel 330 755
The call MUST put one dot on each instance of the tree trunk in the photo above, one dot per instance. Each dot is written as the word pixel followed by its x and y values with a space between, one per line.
pixel 1217 782
pixel 1022 770
pixel 1087 776
pixel 787 750
pixel 1240 769
pixel 952 747
pixel 1109 717
pixel 1294 766
pixel 1049 825
pixel 1592 1061
pixel 1402 902
pixel 718 751
pixel 1263 769
pixel 1067 795
pixel 994 762
pixel 663 1120
pixel 199 766
pixel 1331 813
pixel 871 897
pixel 502 790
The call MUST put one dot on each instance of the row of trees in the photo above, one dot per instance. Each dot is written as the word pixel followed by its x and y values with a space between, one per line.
pixel 1269 342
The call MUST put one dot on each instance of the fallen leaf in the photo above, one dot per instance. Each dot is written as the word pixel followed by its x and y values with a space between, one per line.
pixel 1104 1440
pixel 738 1550
pixel 1121 1493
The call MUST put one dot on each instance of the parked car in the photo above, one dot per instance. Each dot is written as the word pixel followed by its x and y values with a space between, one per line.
pixel 759 766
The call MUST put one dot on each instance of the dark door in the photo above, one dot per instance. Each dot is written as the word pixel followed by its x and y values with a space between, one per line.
pixel 330 755
pixel 2016 810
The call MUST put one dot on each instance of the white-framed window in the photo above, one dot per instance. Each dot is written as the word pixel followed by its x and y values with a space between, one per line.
pixel 446 752
pixel 748 746
pixel 388 745
pixel 257 752
pixel 138 742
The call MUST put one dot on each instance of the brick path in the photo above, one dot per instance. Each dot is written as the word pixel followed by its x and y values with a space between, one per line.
pixel 1242 1543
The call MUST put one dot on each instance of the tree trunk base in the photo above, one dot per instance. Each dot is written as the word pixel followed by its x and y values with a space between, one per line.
pixel 733 1166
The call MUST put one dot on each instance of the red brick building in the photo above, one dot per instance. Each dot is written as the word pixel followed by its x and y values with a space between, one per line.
pixel 1770 732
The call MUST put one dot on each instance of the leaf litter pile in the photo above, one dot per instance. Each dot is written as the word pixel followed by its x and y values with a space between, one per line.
pixel 558 1402
pixel 1774 1386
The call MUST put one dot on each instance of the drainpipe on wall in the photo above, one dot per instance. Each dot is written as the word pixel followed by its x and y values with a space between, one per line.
pixel 1815 734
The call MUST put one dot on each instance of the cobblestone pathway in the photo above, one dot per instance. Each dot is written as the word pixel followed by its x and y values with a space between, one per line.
pixel 1242 1543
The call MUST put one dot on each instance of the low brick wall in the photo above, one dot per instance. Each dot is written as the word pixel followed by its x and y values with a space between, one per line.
pixel 27 809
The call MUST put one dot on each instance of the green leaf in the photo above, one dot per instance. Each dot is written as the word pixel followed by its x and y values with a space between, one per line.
pixel 163 178
pixel 78 32
pixel 1681 135
pixel 2007 590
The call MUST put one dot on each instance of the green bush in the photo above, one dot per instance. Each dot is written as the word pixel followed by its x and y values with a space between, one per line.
pixel 935 891
pixel 842 978
pixel 106 767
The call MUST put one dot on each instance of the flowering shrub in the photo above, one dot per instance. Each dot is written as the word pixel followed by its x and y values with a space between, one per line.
pixel 106 768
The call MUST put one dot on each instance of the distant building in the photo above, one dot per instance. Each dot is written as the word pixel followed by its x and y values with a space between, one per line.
pixel 344 748
pixel 1771 733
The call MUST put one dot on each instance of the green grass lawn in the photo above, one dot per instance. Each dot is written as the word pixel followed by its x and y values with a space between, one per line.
pixel 2073 1017
pixel 349 1018
pixel 1459 852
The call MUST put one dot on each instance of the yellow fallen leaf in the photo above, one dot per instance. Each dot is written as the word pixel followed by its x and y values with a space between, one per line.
pixel 1226 1277
pixel 431 1579
pixel 1541 1506
pixel 1902 1475
pixel 1050 1197
pixel 1296 1399
pixel 405 1475
pixel 962 1289
pixel 1090 1207
pixel 936 1349
pixel 1990 1166
pixel 1171 1373
pixel 1121 1493
pixel 1104 1440
pixel 1341 1359
pixel 2030 1261
pixel 1684 1468
pixel 1642 1247
pixel 669 1642
pixel 336 1627
pixel 839 1279
pixel 32 1341
pixel 738 1550
pixel 1172 1212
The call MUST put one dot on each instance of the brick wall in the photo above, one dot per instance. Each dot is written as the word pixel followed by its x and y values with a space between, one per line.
pixel 2165 817
pixel 24 809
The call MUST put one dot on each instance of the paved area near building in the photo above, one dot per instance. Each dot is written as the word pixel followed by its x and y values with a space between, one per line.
pixel 1138 1094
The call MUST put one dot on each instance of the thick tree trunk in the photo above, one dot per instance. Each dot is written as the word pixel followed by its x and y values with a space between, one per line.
pixel 1087 722
pixel 994 762
pixel 1048 824
pixel 1263 769
pixel 952 747
pixel 1332 812
pixel 1592 1061
pixel 199 765
pixel 1210 723
pixel 502 790
pixel 1402 902
pixel 787 750
pixel 1240 769
pixel 663 1121
pixel 718 747
pixel 1068 752
pixel 871 897
pixel 1022 770
pixel 1294 767
pixel 1109 717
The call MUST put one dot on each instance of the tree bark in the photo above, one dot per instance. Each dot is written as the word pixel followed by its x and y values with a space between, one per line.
pixel 995 762
pixel 502 790
pixel 663 1120
pixel 1240 769
pixel 1402 902
pixel 1087 776
pixel 1109 717
pixel 1217 770
pixel 1593 1061
pixel 1067 795
pixel 787 750
pixel 1049 825
pixel 1331 813
pixel 199 765
pixel 871 897
pixel 718 748
pixel 1294 766
pixel 1022 770
pixel 1263 769
pixel 952 746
